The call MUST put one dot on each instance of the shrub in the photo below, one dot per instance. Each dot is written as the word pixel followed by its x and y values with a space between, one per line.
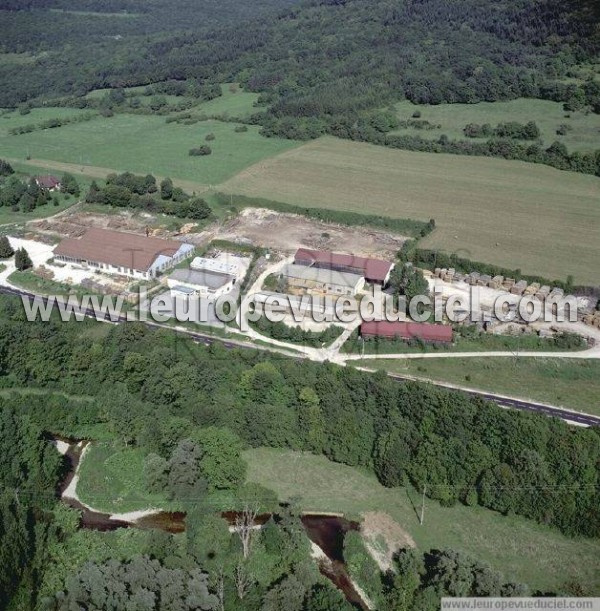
pixel 6 250
pixel 200 151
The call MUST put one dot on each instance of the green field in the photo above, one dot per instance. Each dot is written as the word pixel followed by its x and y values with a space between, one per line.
pixel 146 144
pixel 511 213
pixel 570 383
pixel 520 549
pixel 584 135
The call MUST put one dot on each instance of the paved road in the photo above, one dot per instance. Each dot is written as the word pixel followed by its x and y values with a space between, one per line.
pixel 507 402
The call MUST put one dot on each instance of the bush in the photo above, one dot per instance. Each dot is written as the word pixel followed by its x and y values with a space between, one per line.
pixel 22 260
pixel 240 129
pixel 210 137
pixel 200 151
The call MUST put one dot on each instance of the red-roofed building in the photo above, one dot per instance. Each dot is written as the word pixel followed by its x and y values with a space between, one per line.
pixel 373 270
pixel 50 183
pixel 426 332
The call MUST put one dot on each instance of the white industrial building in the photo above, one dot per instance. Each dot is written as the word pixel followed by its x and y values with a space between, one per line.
pixel 206 284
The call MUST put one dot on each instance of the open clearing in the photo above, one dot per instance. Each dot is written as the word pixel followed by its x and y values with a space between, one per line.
pixel 570 383
pixel 110 480
pixel 522 550
pixel 584 133
pixel 147 144
pixel 511 213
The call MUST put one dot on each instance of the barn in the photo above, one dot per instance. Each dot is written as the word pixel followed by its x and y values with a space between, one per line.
pixel 426 332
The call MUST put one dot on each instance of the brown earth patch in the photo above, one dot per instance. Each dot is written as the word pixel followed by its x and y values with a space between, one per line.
pixel 383 537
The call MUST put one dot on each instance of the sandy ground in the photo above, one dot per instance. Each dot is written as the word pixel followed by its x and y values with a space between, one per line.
pixel 287 232
pixel 383 537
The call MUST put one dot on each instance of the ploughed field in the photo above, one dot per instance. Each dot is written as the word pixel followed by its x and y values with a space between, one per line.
pixel 511 213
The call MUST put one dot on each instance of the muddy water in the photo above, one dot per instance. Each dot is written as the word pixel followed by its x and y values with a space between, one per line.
pixel 328 533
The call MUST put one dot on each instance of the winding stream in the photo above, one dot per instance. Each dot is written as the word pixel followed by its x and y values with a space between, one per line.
pixel 326 532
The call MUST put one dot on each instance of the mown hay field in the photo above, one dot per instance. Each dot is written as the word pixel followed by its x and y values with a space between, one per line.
pixel 511 213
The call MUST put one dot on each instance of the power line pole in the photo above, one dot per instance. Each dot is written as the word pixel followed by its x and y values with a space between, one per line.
pixel 423 505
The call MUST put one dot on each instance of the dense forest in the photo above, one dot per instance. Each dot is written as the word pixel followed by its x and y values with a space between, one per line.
pixel 318 60
pixel 192 409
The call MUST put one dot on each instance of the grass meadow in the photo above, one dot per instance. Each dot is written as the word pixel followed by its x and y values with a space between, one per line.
pixel 111 480
pixel 511 213
pixel 146 144
pixel 521 549
pixel 584 133
pixel 570 383
pixel 234 102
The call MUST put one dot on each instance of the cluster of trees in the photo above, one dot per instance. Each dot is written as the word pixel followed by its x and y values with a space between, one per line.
pixel 512 129
pixel 26 195
pixel 22 196
pixel 322 62
pixel 408 281
pixel 29 471
pixel 5 168
pixel 128 190
pixel 205 459
pixel 419 580
pixel 296 335
pixel 140 583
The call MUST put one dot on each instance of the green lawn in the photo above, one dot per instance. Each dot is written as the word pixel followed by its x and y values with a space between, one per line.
pixel 570 383
pixel 452 118
pixel 144 144
pixel 519 548
pixel 111 480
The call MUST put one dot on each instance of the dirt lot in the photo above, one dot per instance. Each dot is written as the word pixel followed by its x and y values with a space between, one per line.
pixel 287 232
